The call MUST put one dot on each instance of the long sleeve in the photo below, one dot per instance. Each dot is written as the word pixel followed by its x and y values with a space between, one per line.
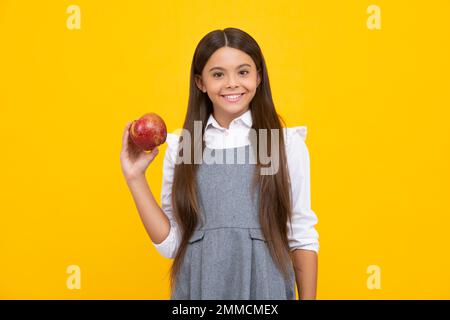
pixel 303 234
pixel 169 246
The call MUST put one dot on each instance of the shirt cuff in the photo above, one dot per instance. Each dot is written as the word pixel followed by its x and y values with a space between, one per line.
pixel 167 247
pixel 312 245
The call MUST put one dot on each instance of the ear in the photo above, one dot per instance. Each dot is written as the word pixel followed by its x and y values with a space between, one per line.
pixel 199 83
pixel 259 78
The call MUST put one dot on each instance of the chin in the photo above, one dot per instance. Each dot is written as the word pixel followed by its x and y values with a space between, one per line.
pixel 234 109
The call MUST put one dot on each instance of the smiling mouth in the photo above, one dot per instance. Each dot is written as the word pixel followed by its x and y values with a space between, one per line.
pixel 232 97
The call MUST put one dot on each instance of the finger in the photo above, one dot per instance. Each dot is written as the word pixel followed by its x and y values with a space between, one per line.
pixel 125 137
pixel 153 153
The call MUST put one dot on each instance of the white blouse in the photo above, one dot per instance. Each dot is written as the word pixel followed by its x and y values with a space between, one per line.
pixel 303 234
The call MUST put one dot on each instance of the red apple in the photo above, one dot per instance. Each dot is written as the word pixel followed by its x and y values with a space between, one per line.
pixel 148 132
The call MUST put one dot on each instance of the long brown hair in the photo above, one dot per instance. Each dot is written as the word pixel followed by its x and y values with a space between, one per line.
pixel 275 207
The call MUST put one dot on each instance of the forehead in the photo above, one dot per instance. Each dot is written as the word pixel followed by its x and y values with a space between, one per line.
pixel 228 58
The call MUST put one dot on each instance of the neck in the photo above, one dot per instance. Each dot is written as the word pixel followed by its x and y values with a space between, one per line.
pixel 225 119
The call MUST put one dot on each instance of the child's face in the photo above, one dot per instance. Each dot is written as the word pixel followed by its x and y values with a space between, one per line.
pixel 228 72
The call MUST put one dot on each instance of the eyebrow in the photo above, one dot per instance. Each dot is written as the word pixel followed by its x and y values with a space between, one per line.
pixel 244 64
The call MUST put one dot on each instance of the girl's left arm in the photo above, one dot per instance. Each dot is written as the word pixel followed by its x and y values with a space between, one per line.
pixel 303 237
pixel 305 266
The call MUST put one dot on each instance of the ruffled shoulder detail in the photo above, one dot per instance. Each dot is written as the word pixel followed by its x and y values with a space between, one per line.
pixel 292 131
pixel 172 141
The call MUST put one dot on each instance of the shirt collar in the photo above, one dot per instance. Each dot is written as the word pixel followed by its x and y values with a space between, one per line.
pixel 245 118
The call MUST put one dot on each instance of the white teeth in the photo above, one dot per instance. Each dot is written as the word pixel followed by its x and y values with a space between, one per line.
pixel 233 98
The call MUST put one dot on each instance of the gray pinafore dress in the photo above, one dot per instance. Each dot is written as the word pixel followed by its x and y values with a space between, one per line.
pixel 227 257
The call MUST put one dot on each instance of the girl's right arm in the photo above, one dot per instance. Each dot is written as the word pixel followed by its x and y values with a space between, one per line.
pixel 134 162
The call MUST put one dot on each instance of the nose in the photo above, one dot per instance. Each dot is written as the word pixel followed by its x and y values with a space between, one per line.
pixel 232 82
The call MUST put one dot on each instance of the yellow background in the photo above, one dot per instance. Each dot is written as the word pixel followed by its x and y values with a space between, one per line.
pixel 375 103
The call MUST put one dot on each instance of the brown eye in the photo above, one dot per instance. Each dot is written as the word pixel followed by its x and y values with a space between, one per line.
pixel 244 71
pixel 216 73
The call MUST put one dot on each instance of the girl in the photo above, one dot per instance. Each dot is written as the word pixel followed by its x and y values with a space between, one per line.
pixel 233 233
